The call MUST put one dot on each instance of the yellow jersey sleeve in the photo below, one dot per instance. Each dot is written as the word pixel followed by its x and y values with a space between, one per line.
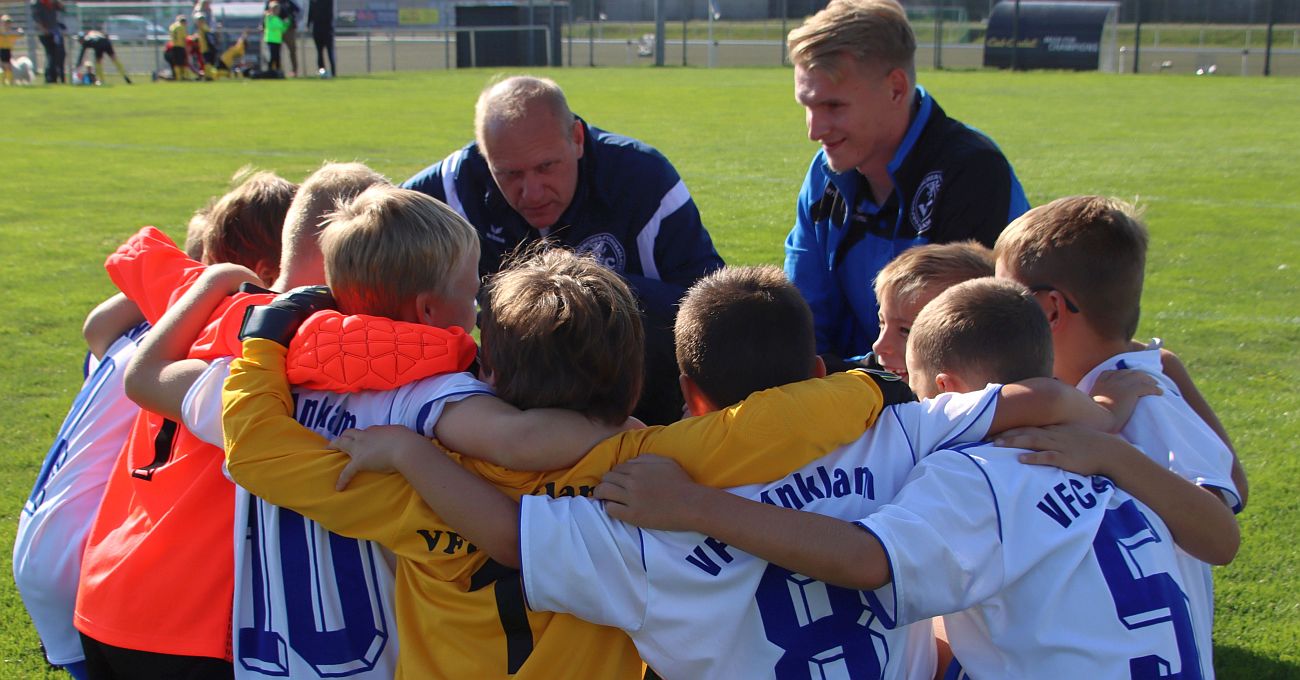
pixel 767 435
pixel 273 456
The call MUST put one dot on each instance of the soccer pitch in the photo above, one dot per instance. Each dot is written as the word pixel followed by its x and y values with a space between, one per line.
pixel 1213 162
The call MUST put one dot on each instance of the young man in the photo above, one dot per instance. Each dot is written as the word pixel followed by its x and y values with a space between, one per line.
pixel 1038 572
pixel 684 598
pixel 101 45
pixel 536 172
pixel 893 171
pixel 1083 258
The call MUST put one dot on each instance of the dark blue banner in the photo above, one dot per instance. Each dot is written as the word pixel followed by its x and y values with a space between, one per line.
pixel 1049 35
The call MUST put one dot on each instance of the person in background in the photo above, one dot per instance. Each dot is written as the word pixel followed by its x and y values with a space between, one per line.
pixel 46 15
pixel 320 19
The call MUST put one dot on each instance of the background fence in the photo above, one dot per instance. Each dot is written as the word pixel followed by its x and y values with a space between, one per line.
pixel 692 39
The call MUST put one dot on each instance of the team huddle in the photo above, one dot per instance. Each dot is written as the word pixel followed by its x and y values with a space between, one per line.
pixel 290 458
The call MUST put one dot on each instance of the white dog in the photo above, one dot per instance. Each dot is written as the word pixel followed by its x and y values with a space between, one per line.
pixel 23 70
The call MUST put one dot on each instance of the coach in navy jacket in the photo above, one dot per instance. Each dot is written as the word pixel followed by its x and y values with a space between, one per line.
pixel 537 171
pixel 893 172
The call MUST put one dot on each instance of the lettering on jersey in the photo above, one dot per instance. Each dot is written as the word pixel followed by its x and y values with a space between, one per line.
pixel 566 491
pixel 701 559
pixel 324 417
pixel 1064 502
pixel 821 484
pixel 454 542
pixel 606 249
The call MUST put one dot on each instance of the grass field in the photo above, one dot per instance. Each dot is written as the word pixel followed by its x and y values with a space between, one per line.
pixel 1213 161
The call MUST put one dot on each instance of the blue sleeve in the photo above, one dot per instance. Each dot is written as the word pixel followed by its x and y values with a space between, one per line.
pixel 428 181
pixel 683 253
pixel 806 264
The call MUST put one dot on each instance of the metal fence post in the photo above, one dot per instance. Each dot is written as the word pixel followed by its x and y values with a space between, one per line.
pixel 392 49
pixel 368 69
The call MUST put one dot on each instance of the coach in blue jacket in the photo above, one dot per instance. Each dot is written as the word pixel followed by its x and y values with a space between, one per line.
pixel 536 172
pixel 893 172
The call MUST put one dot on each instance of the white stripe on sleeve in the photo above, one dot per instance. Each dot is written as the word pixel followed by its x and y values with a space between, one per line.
pixel 676 197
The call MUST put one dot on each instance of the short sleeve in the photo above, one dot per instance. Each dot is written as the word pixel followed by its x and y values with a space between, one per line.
pixel 201 407
pixel 942 535
pixel 947 420
pixel 1179 439
pixel 575 559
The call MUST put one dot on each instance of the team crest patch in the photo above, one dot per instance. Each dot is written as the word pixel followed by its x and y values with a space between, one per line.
pixel 606 249
pixel 924 200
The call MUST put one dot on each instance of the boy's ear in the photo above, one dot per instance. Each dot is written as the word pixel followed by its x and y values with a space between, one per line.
pixel 422 310
pixel 947 382
pixel 819 367
pixel 267 271
pixel 697 402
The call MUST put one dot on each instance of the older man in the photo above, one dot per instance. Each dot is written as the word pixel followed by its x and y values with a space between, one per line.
pixel 893 171
pixel 536 171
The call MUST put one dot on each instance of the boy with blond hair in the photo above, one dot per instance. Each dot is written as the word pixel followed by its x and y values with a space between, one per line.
pixel 910 281
pixel 393 254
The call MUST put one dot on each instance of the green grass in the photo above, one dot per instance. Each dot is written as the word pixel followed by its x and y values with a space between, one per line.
pixel 1212 160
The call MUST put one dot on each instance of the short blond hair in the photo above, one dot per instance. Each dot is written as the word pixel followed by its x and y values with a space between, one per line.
pixel 984 330
pixel 511 100
pixel 561 331
pixel 324 191
pixel 389 245
pixel 934 266
pixel 868 31
pixel 195 233
pixel 1093 248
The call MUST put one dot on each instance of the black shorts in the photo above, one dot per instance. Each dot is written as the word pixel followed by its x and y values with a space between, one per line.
pixel 176 57
pixel 5 56
pixel 101 48
pixel 107 661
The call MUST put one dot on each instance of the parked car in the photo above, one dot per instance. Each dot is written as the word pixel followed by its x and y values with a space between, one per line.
pixel 127 28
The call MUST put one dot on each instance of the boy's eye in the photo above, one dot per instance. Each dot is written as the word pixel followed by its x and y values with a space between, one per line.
pixel 904 330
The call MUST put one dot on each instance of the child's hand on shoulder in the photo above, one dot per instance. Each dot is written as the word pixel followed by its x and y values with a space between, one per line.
pixel 1073 448
pixel 649 491
pixel 1118 392
pixel 379 448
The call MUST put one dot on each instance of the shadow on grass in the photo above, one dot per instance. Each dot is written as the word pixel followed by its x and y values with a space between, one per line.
pixel 1236 662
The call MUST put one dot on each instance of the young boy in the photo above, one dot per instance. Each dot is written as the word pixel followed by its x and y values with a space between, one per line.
pixel 162 505
pixel 914 278
pixel 176 54
pixel 1084 257
pixel 684 598
pixel 558 330
pixel 55 522
pixel 1038 572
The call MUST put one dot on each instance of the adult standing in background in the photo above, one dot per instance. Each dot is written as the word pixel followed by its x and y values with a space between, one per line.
pixel 320 19
pixel 894 171
pixel 46 15
pixel 537 172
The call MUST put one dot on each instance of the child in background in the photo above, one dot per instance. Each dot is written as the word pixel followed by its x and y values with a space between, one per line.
pixel 9 33
pixel 176 56
pixel 273 27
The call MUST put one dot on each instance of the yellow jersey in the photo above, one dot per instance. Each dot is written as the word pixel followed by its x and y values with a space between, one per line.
pixel 459 614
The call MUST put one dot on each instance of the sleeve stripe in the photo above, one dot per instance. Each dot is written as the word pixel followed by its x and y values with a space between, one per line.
pixel 450 169
pixel 676 197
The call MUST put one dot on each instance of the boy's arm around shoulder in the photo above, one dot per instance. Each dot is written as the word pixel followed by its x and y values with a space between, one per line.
pixel 159 375
pixel 489 428
pixel 1198 519
pixel 269 453
pixel 1037 402
pixel 769 434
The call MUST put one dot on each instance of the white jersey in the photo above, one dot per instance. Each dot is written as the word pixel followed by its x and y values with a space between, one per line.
pixel 54 523
pixel 310 603
pixel 1040 573
pixel 1167 429
pixel 697 608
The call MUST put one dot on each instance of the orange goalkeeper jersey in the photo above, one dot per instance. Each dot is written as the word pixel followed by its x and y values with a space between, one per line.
pixel 459 614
